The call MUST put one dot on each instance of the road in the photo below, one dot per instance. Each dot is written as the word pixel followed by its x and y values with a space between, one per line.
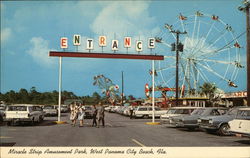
pixel 119 131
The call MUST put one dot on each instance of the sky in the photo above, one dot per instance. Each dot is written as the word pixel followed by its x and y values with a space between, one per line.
pixel 30 29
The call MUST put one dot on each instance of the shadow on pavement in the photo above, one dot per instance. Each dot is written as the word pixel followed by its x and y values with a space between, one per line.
pixel 27 124
pixel 8 144
pixel 189 130
pixel 247 142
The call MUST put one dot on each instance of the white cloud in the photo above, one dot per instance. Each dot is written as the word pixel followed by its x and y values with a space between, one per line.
pixel 5 34
pixel 123 17
pixel 40 50
pixel 120 19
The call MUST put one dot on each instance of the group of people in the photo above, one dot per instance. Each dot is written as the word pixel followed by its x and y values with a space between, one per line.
pixel 77 112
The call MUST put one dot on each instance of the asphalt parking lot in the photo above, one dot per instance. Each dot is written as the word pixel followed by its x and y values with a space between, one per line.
pixel 119 131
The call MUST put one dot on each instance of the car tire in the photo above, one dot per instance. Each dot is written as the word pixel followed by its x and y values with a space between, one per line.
pixel 33 122
pixel 145 116
pixel 224 130
pixel 40 119
pixel 9 123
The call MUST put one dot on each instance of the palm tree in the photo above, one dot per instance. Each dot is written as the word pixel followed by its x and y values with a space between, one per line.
pixel 208 89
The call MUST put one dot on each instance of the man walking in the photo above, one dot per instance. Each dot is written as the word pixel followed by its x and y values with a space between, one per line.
pixel 94 113
pixel 101 115
pixel 131 109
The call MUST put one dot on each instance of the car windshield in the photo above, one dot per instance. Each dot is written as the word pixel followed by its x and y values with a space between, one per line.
pixel 17 108
pixel 88 108
pixel 171 111
pixel 198 112
pixel 48 107
pixel 156 109
pixel 243 114
pixel 142 109
pixel 232 112
pixel 183 111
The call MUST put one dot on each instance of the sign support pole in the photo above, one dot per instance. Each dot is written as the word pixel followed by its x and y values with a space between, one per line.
pixel 153 90
pixel 60 89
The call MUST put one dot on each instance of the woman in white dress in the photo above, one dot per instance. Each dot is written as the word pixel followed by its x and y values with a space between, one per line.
pixel 73 114
pixel 81 113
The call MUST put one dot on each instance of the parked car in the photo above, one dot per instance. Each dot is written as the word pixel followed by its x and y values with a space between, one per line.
pixel 23 113
pixel 191 121
pixel 241 124
pixel 126 111
pixel 147 111
pixel 108 108
pixel 64 108
pixel 50 110
pixel 114 108
pixel 88 112
pixel 2 112
pixel 121 110
pixel 218 124
pixel 176 111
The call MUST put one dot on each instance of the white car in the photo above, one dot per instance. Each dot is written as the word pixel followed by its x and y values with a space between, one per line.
pixel 241 124
pixel 126 111
pixel 23 113
pixel 176 111
pixel 147 111
pixel 50 110
pixel 64 108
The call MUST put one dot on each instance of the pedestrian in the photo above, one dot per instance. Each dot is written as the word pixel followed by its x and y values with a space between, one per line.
pixel 101 116
pixel 94 114
pixel 73 114
pixel 131 109
pixel 81 113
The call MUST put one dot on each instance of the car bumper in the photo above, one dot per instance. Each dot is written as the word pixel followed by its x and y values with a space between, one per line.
pixel 212 127
pixel 164 121
pixel 176 124
pixel 18 119
pixel 50 113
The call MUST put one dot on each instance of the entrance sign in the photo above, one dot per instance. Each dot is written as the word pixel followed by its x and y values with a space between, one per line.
pixel 90 44
pixel 114 45
pixel 138 46
pixel 151 43
pixel 64 42
pixel 127 42
pixel 102 41
pixel 77 40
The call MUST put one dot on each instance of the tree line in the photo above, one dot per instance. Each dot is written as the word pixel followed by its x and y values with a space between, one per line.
pixel 32 96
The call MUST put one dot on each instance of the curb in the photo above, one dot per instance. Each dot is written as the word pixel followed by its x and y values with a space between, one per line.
pixel 60 122
pixel 153 123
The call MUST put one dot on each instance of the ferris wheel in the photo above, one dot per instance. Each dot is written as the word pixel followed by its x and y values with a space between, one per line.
pixel 108 88
pixel 211 53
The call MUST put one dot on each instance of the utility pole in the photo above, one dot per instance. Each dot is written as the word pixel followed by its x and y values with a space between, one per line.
pixel 122 87
pixel 245 9
pixel 177 47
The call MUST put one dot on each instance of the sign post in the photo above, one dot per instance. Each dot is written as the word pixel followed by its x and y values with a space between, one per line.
pixel 60 89
pixel 153 91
